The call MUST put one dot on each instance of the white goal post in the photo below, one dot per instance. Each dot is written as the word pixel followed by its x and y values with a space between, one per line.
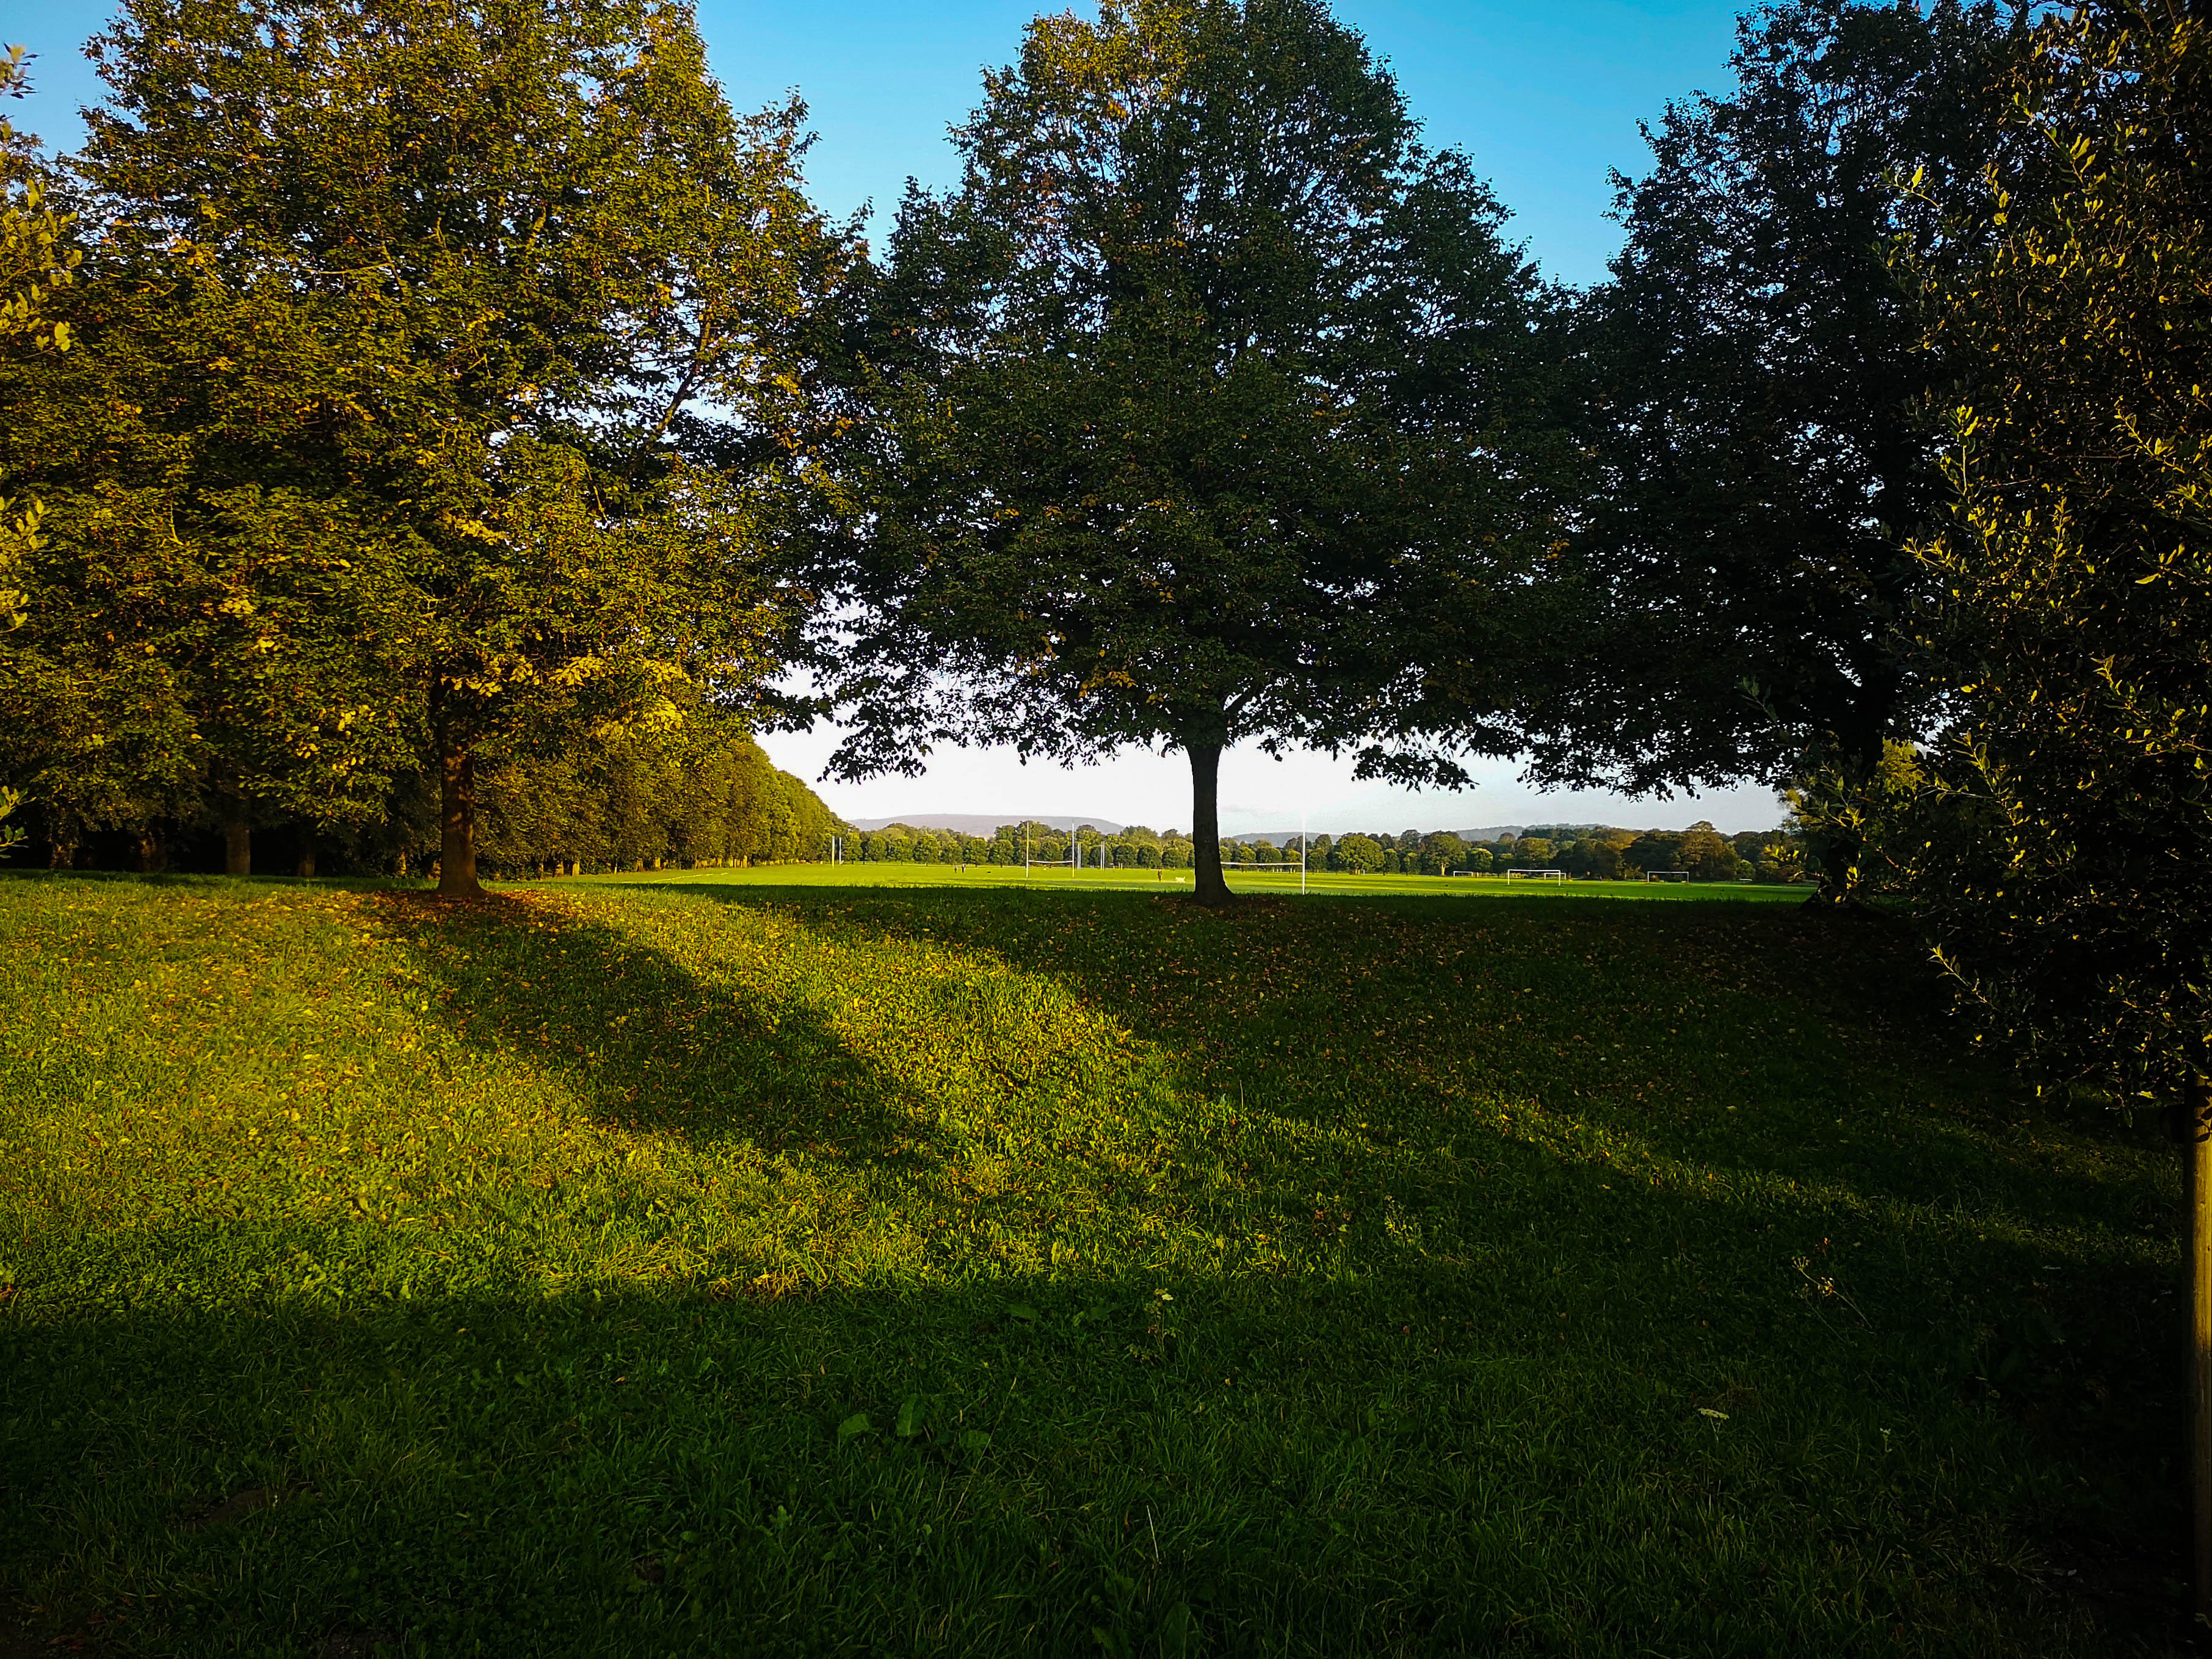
pixel 1072 861
pixel 1288 864
pixel 1666 875
pixel 1535 875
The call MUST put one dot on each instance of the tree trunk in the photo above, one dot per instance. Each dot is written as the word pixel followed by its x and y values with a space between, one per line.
pixel 1208 886
pixel 2197 1148
pixel 237 839
pixel 61 839
pixel 1842 850
pixel 306 866
pixel 457 820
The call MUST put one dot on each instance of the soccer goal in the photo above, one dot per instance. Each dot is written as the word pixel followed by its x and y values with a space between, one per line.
pixel 1666 875
pixel 1536 875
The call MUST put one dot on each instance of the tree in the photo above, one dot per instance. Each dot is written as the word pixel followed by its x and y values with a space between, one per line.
pixel 2062 834
pixel 1362 855
pixel 1192 394
pixel 595 285
pixel 1442 853
pixel 1532 852
pixel 217 624
pixel 1841 815
pixel 700 792
pixel 1706 855
pixel 35 260
pixel 1757 401
pixel 1654 849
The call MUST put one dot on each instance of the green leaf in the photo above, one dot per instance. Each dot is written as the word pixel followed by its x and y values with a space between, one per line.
pixel 856 1424
pixel 912 1411
pixel 973 1440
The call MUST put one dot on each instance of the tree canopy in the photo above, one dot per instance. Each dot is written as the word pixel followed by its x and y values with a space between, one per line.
pixel 1754 387
pixel 35 260
pixel 1189 400
pixel 2065 830
pixel 472 335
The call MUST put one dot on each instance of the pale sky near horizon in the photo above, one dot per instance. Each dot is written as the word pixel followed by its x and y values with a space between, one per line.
pixel 1545 98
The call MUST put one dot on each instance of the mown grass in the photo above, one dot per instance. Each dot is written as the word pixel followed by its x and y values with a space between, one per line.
pixel 752 1266
pixel 1264 881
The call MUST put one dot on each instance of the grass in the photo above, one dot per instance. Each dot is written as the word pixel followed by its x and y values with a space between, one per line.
pixel 773 1264
pixel 1264 881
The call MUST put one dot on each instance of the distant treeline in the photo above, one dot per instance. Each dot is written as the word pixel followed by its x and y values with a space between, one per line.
pixel 1768 855
pixel 700 792
pixel 693 796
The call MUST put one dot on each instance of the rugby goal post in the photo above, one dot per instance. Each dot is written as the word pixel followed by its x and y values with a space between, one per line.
pixel 1536 875
pixel 1074 861
pixel 1284 867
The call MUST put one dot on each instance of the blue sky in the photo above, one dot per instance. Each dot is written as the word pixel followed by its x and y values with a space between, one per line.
pixel 1544 95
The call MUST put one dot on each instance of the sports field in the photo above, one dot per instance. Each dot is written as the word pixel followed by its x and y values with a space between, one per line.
pixel 808 1263
pixel 1265 880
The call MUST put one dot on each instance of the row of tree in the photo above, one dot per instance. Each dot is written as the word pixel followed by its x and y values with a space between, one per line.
pixel 1136 848
pixel 698 792
pixel 1210 406
pixel 409 392
pixel 1699 852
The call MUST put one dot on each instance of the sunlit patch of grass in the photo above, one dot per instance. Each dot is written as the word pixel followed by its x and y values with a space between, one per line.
pixel 769 1266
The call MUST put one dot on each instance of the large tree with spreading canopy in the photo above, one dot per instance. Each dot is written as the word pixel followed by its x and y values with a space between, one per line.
pixel 549 300
pixel 1195 396
pixel 1757 407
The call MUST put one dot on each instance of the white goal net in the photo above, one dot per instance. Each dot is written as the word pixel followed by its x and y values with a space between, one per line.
pixel 1535 875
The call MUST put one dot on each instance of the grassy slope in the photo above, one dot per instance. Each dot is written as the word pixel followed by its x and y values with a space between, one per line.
pixel 749 1267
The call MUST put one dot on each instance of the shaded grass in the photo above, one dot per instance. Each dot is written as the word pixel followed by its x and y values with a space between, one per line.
pixel 734 1266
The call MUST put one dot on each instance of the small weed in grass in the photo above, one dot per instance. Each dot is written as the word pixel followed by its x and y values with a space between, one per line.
pixel 704 1266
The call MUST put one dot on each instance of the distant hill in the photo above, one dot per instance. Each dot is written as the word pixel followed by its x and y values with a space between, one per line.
pixel 982 823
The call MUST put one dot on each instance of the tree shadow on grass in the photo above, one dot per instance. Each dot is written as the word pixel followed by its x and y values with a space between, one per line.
pixel 1148 1460
pixel 641 1039
pixel 1464 1407
pixel 1155 1462
pixel 1765 1042
pixel 1828 1121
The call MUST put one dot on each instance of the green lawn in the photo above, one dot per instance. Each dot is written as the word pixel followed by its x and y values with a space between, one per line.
pixel 786 1265
pixel 1268 880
